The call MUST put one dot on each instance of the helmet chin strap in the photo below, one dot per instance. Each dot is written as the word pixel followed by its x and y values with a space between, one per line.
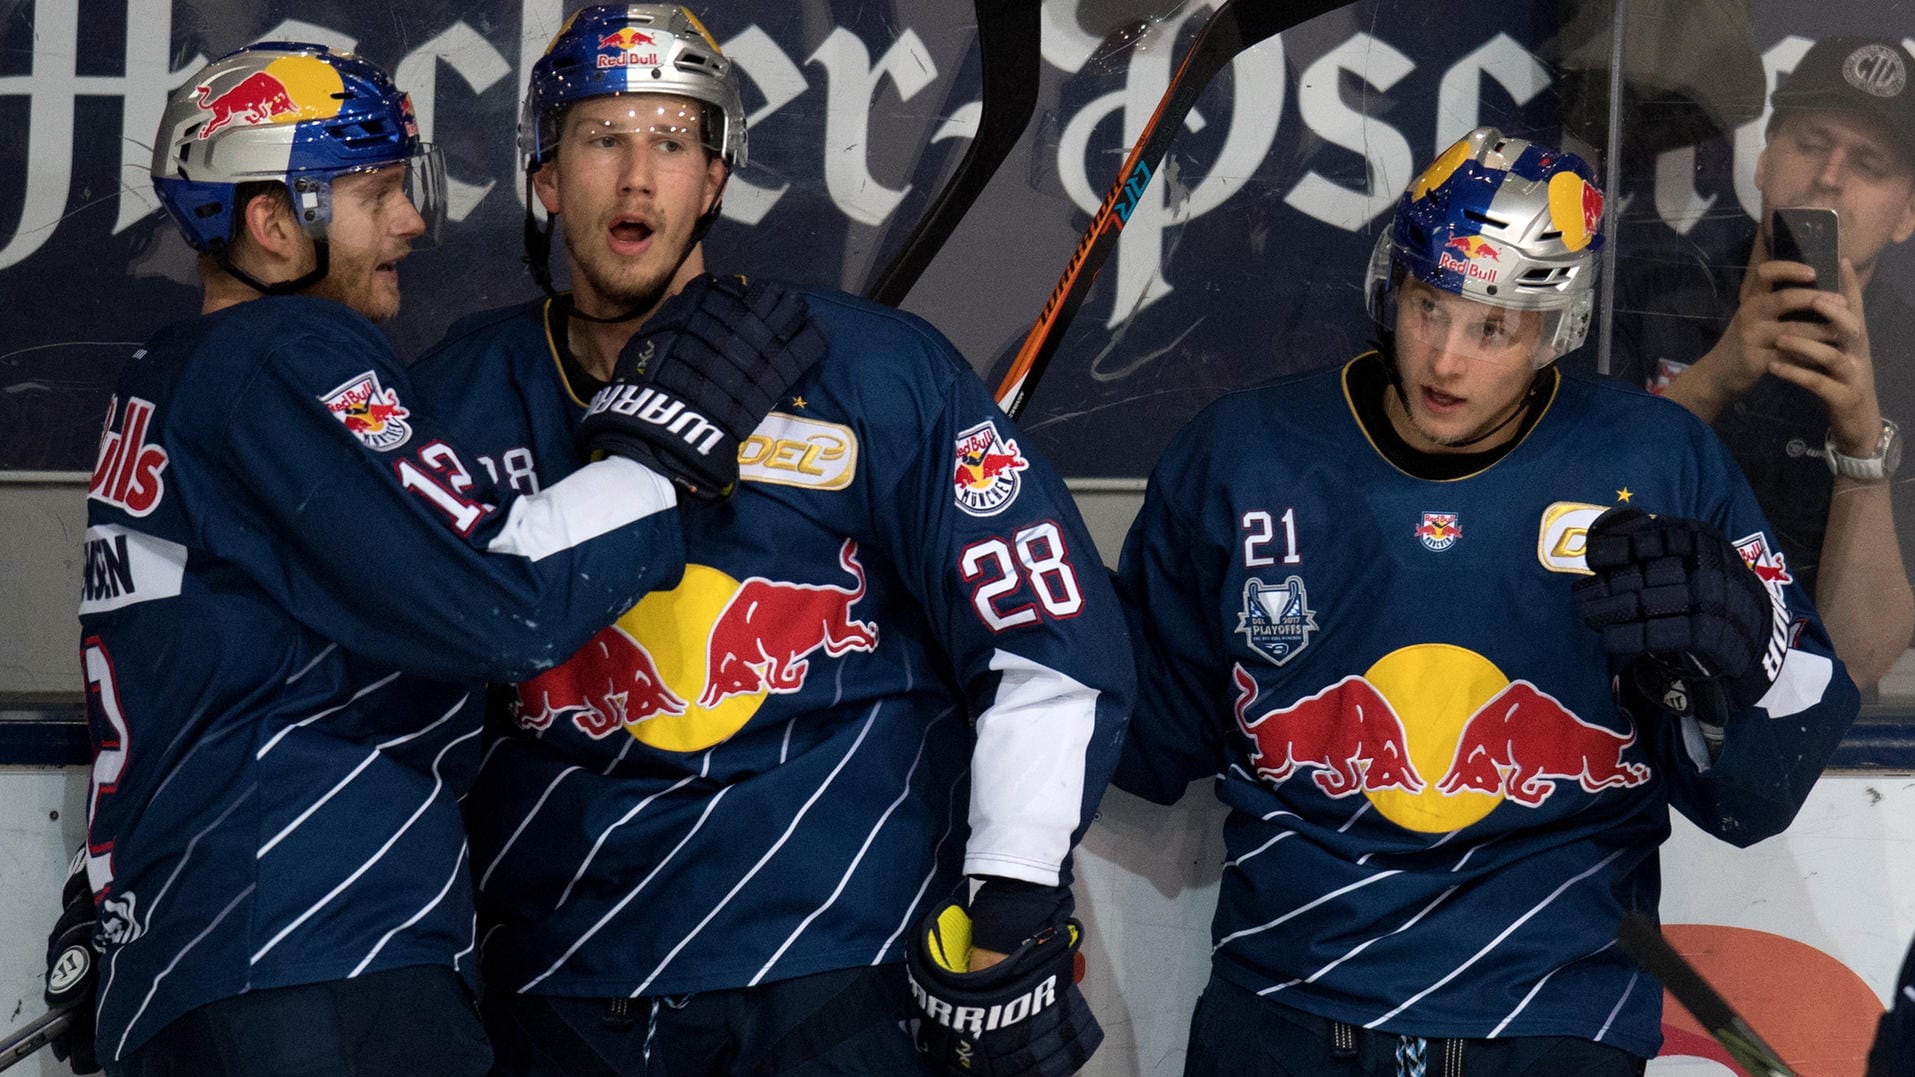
pixel 223 254
pixel 538 259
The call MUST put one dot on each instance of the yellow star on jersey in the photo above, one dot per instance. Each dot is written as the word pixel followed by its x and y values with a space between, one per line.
pixel 1623 494
pixel 798 402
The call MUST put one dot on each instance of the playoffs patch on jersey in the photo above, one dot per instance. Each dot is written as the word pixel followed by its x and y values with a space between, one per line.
pixel 371 411
pixel 1276 621
pixel 988 473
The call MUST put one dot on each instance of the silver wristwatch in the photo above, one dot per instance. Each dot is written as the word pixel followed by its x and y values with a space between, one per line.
pixel 1887 457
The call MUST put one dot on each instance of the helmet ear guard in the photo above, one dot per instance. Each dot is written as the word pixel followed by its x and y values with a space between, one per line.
pixel 1500 221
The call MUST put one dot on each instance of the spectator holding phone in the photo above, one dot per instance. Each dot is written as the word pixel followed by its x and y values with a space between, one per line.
pixel 1784 364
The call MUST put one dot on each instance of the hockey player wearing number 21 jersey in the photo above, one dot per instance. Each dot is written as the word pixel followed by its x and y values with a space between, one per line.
pixel 702 843
pixel 1454 631
pixel 297 583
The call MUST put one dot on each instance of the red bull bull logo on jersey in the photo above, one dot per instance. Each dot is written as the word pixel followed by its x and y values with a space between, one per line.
pixel 688 668
pixel 371 412
pixel 989 471
pixel 1439 530
pixel 1435 737
pixel 628 47
pixel 290 89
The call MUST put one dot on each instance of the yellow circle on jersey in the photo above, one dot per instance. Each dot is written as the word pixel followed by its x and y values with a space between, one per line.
pixel 1435 689
pixel 674 626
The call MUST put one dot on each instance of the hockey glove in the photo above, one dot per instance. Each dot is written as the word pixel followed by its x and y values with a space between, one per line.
pixel 1022 1016
pixel 73 964
pixel 699 377
pixel 1676 593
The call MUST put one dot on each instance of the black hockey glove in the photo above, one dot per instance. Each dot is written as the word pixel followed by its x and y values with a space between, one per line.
pixel 1022 1016
pixel 73 966
pixel 1676 593
pixel 699 377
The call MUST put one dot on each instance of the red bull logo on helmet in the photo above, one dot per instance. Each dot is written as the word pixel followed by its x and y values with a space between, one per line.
pixel 627 47
pixel 1435 737
pixel 1575 208
pixel 371 412
pixel 988 472
pixel 687 668
pixel 288 90
pixel 1467 255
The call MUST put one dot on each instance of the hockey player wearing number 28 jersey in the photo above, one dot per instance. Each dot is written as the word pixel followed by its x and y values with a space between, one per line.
pixel 702 843
pixel 1363 600
pixel 297 585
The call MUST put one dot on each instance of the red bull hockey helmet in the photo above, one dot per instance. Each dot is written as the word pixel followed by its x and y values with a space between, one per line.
pixel 1502 221
pixel 636 48
pixel 282 110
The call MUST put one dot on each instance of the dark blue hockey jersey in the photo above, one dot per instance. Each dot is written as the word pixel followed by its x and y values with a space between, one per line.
pixel 1439 812
pixel 273 537
pixel 894 654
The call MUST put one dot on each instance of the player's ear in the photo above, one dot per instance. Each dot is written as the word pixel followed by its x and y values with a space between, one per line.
pixel 714 182
pixel 269 225
pixel 546 182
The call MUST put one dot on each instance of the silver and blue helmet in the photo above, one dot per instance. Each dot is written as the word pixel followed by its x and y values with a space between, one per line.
pixel 1501 221
pixel 638 48
pixel 284 111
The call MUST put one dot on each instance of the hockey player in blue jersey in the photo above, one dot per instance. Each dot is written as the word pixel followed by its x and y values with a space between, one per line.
pixel 705 842
pixel 1454 630
pixel 296 585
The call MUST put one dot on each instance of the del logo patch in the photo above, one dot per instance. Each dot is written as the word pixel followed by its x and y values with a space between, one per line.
pixel 1439 530
pixel 372 412
pixel 988 469
pixel 1276 621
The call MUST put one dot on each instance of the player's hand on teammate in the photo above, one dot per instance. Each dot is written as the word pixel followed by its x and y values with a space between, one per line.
pixel 700 375
pixel 1021 1015
pixel 1676 592
pixel 73 965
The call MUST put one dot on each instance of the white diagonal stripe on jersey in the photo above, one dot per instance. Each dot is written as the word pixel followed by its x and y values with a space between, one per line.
pixel 1602 1033
pixel 311 718
pixel 1301 909
pixel 1498 940
pixel 458 862
pixel 314 807
pixel 120 1049
pixel 470 946
pixel 769 853
pixel 592 853
pixel 486 876
pixel 1364 945
pixel 1530 995
pixel 950 825
pixel 845 879
pixel 113 966
pixel 1258 849
pixel 627 899
pixel 438 782
pixel 308 667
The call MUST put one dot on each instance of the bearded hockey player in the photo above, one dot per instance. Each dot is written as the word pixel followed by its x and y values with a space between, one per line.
pixel 1454 630
pixel 280 551
pixel 705 843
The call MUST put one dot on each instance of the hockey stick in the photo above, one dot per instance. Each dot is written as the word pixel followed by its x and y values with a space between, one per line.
pixel 1008 54
pixel 1237 26
pixel 34 1035
pixel 1641 940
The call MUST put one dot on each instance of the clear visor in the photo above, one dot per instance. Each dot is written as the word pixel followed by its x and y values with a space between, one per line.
pixel 1470 329
pixel 668 130
pixel 423 181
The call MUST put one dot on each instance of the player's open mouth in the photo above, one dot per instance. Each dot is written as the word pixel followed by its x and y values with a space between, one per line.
pixel 1437 400
pixel 630 235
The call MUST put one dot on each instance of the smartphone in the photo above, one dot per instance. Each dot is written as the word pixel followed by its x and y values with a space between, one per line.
pixel 1808 235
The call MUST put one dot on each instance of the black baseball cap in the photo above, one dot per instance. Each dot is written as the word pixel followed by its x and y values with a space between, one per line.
pixel 1855 74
